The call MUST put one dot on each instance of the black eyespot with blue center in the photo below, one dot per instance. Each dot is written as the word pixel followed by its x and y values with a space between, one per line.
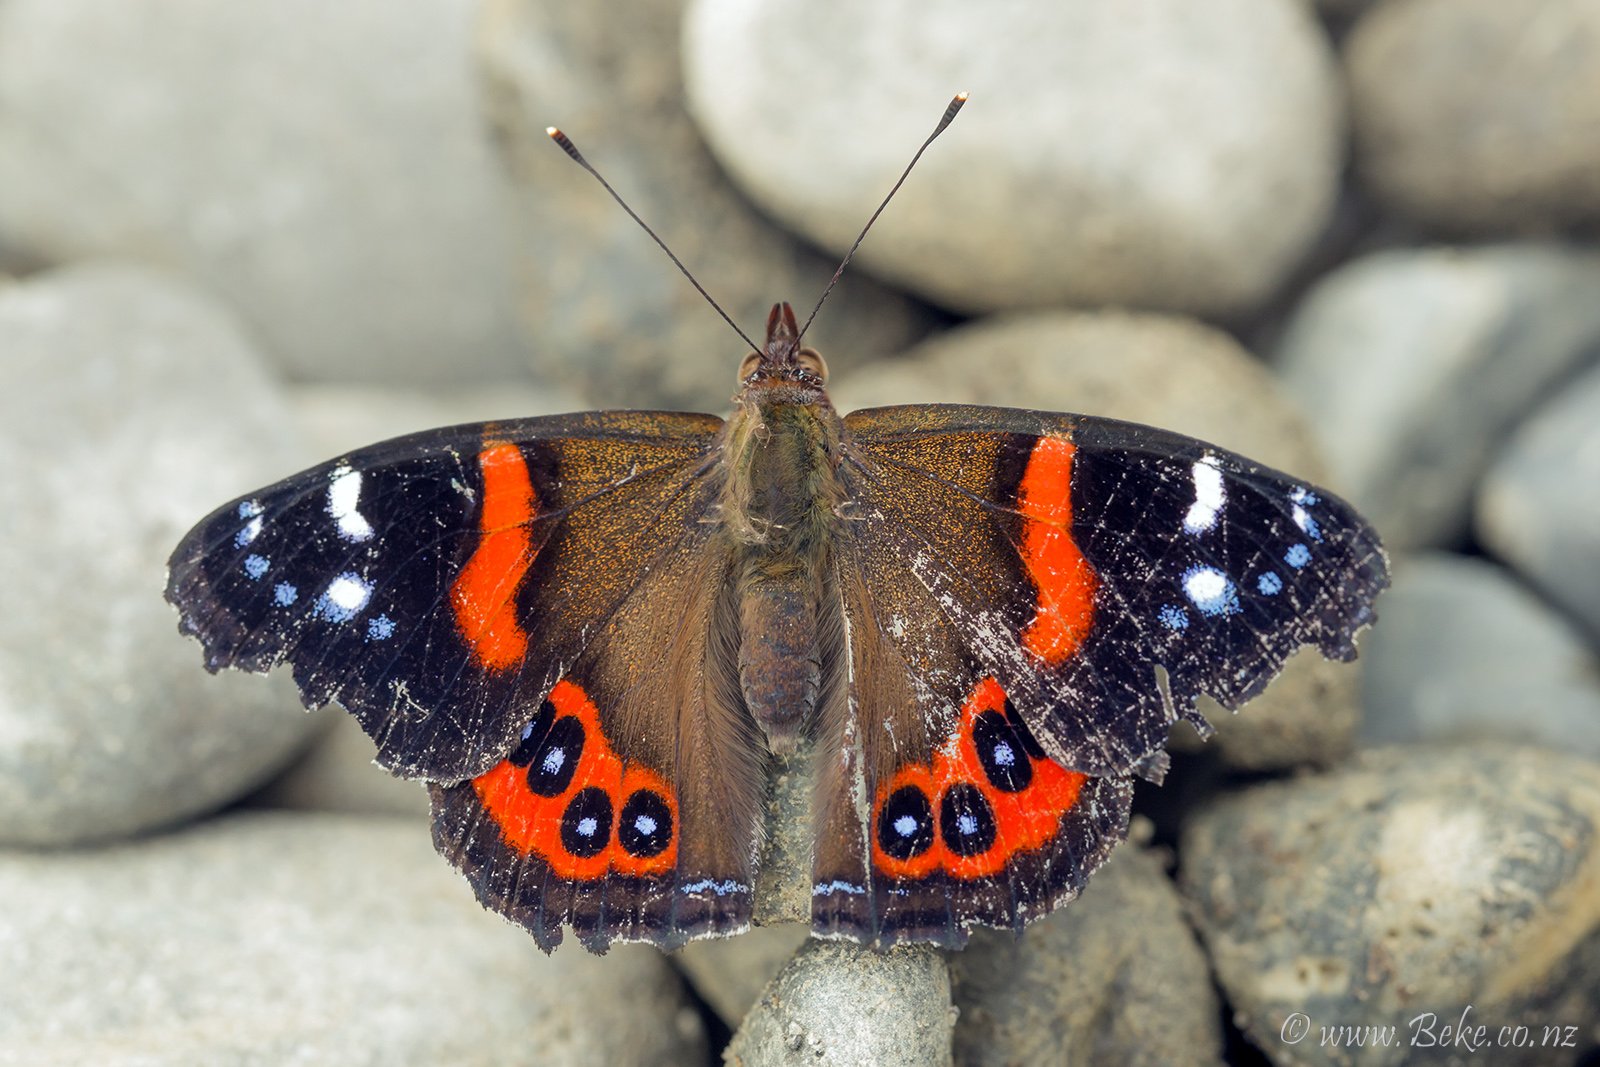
pixel 1005 761
pixel 586 824
pixel 533 735
pixel 645 826
pixel 966 821
pixel 555 761
pixel 905 824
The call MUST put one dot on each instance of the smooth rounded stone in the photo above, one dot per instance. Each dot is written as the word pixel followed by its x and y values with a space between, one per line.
pixel 840 1003
pixel 274 938
pixel 730 972
pixel 1539 507
pixel 1479 115
pixel 1166 371
pixel 1466 652
pixel 338 772
pixel 1416 888
pixel 1414 364
pixel 339 417
pixel 1115 977
pixel 603 310
pixel 334 186
pixel 129 408
pixel 1111 154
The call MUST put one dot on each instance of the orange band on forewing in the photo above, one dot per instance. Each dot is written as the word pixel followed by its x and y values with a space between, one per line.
pixel 484 594
pixel 1024 820
pixel 1063 578
pixel 532 823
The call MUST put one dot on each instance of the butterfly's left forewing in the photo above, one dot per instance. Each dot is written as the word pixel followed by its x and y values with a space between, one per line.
pixel 437 585
pixel 1031 601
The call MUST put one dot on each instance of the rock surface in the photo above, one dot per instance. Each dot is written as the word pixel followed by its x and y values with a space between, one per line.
pixel 322 168
pixel 1465 652
pixel 730 973
pixel 130 407
pixel 840 1003
pixel 1116 155
pixel 1412 889
pixel 603 309
pixel 1539 507
pixel 1479 116
pixel 1414 364
pixel 270 939
pixel 1166 371
pixel 1115 977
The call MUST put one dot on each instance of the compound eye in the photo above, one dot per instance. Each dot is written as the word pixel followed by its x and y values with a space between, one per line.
pixel 748 367
pixel 812 360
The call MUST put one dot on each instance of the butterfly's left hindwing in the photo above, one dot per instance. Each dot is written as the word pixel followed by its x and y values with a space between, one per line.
pixel 1011 582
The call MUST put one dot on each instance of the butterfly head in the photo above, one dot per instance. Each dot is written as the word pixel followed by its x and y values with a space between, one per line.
pixel 783 363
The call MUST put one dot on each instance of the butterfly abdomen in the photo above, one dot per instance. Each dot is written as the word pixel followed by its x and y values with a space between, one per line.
pixel 780 506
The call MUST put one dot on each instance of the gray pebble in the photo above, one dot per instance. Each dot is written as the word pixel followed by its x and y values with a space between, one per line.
pixel 1413 889
pixel 343 417
pixel 339 772
pixel 1479 116
pixel 603 309
pixel 1465 652
pixel 129 408
pixel 276 938
pixel 1115 977
pixel 1108 156
pixel 1166 371
pixel 1414 364
pixel 1539 508
pixel 731 972
pixel 840 1003
pixel 323 168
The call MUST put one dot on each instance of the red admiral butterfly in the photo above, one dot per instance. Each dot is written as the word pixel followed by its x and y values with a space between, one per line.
pixel 589 633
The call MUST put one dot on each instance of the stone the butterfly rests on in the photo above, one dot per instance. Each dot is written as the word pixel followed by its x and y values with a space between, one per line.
pixel 591 633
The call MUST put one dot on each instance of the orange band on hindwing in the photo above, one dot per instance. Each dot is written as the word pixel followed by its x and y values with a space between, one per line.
pixel 1063 578
pixel 566 795
pixel 990 794
pixel 484 594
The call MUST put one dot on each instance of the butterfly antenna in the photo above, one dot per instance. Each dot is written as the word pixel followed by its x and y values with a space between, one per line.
pixel 577 157
pixel 949 117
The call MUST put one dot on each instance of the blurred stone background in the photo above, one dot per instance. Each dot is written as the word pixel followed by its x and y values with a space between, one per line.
pixel 1355 239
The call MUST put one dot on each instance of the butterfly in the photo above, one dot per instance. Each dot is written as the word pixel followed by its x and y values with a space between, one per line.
pixel 595 635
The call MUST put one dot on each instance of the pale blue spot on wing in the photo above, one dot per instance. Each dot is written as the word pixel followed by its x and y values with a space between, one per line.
pixel 1210 591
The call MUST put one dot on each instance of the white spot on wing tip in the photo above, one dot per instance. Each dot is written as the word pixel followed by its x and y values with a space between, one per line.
pixel 344 493
pixel 1209 496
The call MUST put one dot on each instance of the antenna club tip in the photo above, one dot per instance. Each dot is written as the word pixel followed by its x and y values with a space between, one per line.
pixel 961 97
pixel 552 132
